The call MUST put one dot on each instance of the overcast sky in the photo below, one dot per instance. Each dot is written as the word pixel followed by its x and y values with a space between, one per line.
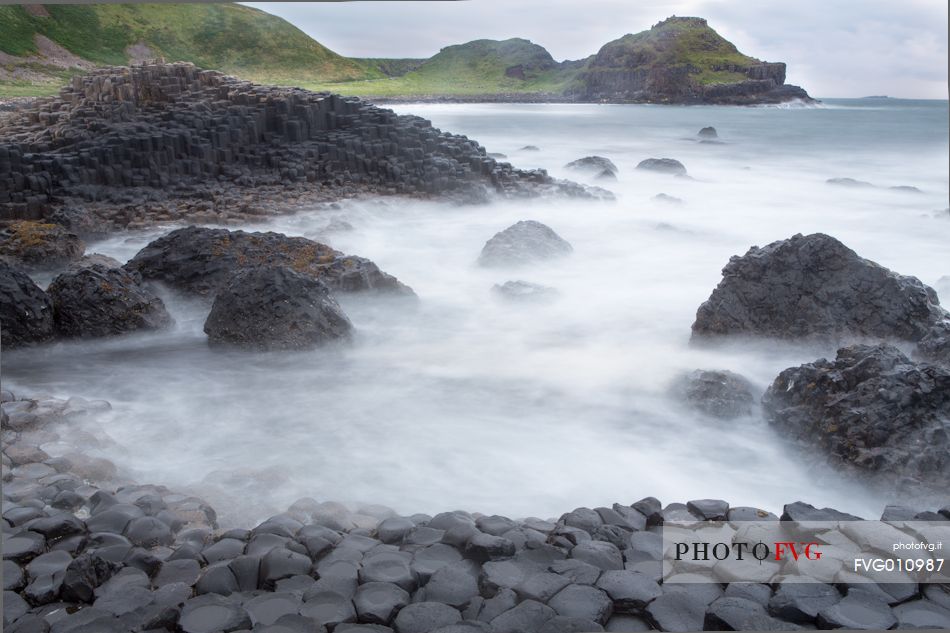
pixel 833 48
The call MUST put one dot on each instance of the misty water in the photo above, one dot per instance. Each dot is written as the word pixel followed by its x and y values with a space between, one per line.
pixel 467 402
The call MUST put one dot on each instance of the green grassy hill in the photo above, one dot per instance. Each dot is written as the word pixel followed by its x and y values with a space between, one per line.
pixel 677 42
pixel 228 37
pixel 679 60
pixel 476 68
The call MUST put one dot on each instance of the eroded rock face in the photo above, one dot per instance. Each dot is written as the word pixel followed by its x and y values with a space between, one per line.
pixel 871 411
pixel 525 242
pixel 275 308
pixel 935 346
pixel 814 287
pixel 203 260
pixel 719 393
pixel 26 312
pixel 40 246
pixel 96 300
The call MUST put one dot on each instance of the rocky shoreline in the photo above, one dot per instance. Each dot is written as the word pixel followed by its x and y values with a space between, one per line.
pixel 85 550
pixel 120 142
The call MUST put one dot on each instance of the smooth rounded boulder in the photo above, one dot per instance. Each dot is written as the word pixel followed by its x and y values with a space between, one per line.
pixel 525 242
pixel 663 165
pixel 26 312
pixel 871 411
pixel 275 308
pixel 813 287
pixel 596 165
pixel 97 301
pixel 202 261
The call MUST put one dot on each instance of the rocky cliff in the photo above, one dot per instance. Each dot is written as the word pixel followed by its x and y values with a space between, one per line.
pixel 682 60
pixel 174 128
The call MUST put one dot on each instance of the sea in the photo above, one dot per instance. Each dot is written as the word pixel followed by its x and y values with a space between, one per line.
pixel 465 401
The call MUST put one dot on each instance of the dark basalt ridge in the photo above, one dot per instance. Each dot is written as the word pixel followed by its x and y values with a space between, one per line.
pixel 134 135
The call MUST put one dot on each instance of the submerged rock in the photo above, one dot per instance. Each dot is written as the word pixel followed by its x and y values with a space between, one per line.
pixel 530 148
pixel 815 287
pixel 667 199
pixel 275 308
pixel 524 291
pixel 849 182
pixel 708 132
pixel 40 246
pixel 663 165
pixel 871 411
pixel 26 312
pixel 719 393
pixel 203 260
pixel 523 243
pixel 95 301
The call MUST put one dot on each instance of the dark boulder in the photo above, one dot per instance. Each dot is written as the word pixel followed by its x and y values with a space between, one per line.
pixel 26 312
pixel 663 165
pixel 203 260
pixel 275 308
pixel 871 411
pixel 40 246
pixel 719 393
pixel 815 287
pixel 523 243
pixel 708 132
pixel 98 301
pixel 602 167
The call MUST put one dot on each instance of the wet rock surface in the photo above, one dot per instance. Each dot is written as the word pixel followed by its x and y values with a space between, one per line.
pixel 26 312
pixel 94 300
pixel 718 393
pixel 272 308
pixel 159 132
pixel 202 261
pixel 871 411
pixel 814 287
pixel 524 242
